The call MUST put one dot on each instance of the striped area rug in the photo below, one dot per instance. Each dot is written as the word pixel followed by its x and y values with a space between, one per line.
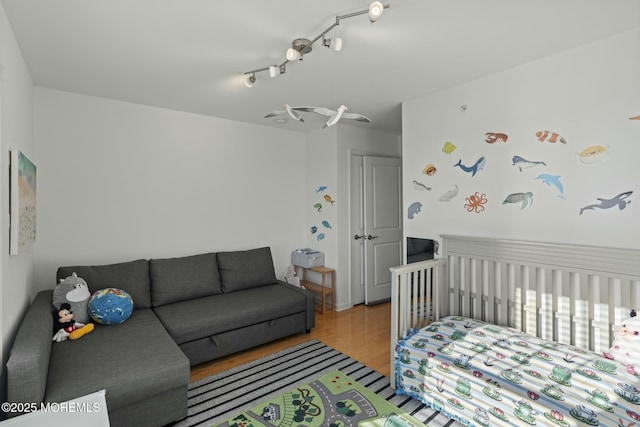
pixel 221 396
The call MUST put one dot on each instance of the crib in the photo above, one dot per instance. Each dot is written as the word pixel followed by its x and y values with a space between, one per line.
pixel 566 297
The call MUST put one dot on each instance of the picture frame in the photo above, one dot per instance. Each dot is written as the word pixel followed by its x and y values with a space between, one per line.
pixel 23 174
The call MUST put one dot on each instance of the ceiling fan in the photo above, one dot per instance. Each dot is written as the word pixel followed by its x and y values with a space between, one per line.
pixel 334 115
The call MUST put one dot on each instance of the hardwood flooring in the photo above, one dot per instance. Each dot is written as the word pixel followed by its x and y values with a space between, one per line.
pixel 361 332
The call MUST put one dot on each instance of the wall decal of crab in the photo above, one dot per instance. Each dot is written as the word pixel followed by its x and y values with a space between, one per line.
pixel 475 202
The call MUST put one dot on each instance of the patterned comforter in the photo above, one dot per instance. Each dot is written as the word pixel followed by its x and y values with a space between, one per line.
pixel 486 375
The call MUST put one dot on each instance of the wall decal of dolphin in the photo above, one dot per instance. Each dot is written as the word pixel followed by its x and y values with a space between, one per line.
pixel 552 181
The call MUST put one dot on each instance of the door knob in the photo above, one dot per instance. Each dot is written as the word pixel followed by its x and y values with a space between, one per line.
pixel 370 237
pixel 356 237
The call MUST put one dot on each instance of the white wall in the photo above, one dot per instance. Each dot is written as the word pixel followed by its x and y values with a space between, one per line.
pixel 586 94
pixel 328 153
pixel 16 93
pixel 124 181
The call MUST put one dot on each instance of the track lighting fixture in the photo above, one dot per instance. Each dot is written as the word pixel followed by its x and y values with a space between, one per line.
pixel 301 46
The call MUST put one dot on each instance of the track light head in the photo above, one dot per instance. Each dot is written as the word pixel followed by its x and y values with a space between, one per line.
pixel 335 43
pixel 250 80
pixel 375 11
pixel 293 55
pixel 274 70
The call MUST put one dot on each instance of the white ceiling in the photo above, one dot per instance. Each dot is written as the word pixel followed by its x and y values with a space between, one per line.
pixel 190 55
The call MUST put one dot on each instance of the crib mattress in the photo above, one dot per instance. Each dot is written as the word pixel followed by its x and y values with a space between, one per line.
pixel 486 375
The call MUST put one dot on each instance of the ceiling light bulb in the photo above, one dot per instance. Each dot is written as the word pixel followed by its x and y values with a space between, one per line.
pixel 335 44
pixel 250 80
pixel 293 54
pixel 274 70
pixel 375 11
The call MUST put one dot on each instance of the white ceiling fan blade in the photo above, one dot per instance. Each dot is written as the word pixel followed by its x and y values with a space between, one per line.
pixel 357 117
pixel 294 115
pixel 274 113
pixel 318 110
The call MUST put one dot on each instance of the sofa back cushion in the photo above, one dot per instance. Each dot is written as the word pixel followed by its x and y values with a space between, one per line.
pixel 132 277
pixel 246 269
pixel 184 278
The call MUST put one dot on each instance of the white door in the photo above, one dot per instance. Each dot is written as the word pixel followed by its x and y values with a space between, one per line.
pixel 376 224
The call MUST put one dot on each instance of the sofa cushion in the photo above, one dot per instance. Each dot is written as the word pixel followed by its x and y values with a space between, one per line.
pixel 132 276
pixel 179 279
pixel 191 320
pixel 246 269
pixel 133 361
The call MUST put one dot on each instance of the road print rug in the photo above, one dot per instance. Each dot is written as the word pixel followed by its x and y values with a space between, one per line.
pixel 333 400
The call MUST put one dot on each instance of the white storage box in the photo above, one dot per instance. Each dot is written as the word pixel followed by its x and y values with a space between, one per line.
pixel 307 258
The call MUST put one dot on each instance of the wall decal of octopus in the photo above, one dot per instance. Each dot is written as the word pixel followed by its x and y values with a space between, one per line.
pixel 525 199
pixel 475 202
pixel 491 137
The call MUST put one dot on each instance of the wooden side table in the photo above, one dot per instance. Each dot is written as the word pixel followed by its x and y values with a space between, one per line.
pixel 323 289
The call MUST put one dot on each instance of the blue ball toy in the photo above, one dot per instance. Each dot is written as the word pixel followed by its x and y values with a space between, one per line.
pixel 110 306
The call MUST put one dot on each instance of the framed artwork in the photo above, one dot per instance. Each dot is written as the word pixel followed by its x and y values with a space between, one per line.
pixel 23 202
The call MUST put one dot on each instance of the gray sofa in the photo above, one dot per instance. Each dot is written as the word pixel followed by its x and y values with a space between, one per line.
pixel 187 311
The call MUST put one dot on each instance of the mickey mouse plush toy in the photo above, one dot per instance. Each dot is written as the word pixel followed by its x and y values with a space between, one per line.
pixel 626 344
pixel 66 326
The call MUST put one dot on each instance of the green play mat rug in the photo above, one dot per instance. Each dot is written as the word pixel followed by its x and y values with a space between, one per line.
pixel 333 400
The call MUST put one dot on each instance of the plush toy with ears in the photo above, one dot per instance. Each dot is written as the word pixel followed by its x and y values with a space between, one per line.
pixel 74 291
pixel 66 326
pixel 626 344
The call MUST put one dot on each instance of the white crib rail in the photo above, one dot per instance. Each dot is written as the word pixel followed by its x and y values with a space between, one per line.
pixel 416 299
pixel 566 293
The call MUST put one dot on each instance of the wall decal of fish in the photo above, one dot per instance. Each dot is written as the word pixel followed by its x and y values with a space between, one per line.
pixel 525 199
pixel 491 137
pixel 448 147
pixel 328 199
pixel 450 194
pixel 318 206
pixel 634 118
pixel 620 201
pixel 549 136
pixel 420 186
pixel 320 236
pixel 326 224
pixel 314 229
pixel 414 209
pixel 321 189
pixel 477 166
pixel 552 181
pixel 523 163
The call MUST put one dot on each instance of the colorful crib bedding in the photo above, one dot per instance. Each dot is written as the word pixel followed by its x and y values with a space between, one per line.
pixel 486 375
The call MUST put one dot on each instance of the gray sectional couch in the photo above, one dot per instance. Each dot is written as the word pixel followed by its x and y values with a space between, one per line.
pixel 187 311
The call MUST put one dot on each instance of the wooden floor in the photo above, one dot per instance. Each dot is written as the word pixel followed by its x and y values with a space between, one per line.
pixel 361 332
